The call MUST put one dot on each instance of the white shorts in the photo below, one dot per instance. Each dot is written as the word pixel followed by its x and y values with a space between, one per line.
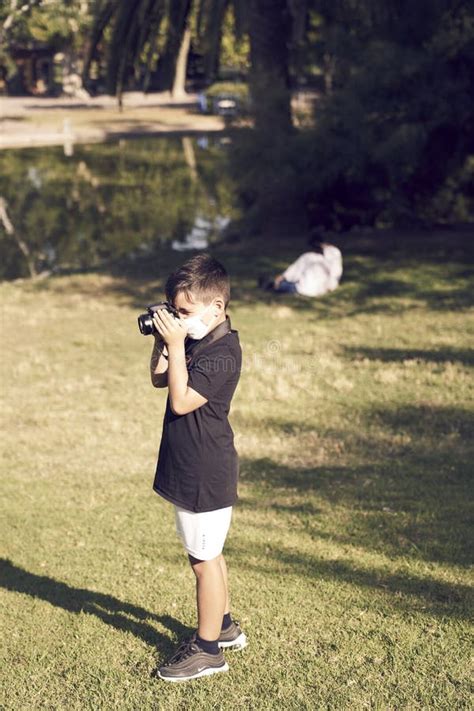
pixel 203 534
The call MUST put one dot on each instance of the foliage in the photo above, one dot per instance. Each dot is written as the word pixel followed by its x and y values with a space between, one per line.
pixel 392 139
pixel 235 49
pixel 142 39
pixel 59 26
pixel 54 23
pixel 228 87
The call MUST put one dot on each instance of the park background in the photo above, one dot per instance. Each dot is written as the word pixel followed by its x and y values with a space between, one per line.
pixel 350 548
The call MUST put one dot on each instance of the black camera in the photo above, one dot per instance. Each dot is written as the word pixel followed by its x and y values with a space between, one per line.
pixel 145 321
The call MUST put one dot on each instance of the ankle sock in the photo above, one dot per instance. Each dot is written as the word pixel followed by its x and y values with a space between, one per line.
pixel 206 646
pixel 226 621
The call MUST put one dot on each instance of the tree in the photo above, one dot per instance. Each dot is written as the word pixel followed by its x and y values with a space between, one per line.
pixel 59 27
pixel 393 137
pixel 399 123
pixel 269 29
pixel 134 27
pixel 9 16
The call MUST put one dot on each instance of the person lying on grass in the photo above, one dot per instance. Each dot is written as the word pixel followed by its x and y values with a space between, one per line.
pixel 197 468
pixel 314 273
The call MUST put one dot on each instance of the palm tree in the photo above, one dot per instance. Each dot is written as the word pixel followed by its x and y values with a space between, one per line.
pixel 135 25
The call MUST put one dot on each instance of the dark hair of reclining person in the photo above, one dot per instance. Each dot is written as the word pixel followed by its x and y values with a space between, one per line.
pixel 316 240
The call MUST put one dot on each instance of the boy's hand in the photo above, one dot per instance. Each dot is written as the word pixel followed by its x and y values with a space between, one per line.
pixel 169 328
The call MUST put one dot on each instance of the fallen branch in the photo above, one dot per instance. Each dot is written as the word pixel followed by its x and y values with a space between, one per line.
pixel 11 232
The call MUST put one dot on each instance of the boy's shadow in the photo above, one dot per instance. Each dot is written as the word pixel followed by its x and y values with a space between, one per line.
pixel 109 609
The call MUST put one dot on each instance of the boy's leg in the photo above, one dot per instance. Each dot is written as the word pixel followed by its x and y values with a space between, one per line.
pixel 211 595
pixel 200 655
pixel 226 583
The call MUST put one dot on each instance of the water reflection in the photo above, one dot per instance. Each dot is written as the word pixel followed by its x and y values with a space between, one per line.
pixel 109 201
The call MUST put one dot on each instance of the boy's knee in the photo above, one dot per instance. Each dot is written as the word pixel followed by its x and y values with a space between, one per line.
pixel 200 566
pixel 194 561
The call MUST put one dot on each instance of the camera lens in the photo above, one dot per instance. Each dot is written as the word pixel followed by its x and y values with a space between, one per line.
pixel 145 324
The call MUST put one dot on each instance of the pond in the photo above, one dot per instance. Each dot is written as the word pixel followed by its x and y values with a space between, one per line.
pixel 64 208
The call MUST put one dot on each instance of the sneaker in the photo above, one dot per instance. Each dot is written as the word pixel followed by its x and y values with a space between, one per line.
pixel 232 637
pixel 190 662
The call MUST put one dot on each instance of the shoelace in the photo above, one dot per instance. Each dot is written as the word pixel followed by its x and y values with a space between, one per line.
pixel 190 640
pixel 183 652
pixel 186 642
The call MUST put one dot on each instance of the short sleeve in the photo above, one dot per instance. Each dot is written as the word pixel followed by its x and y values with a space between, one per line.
pixel 210 372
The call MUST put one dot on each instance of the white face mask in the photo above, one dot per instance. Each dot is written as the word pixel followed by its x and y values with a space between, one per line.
pixel 195 326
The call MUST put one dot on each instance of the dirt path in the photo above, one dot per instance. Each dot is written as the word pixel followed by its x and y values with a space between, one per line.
pixel 34 121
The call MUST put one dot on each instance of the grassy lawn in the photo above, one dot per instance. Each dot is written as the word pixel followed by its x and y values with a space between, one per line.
pixel 349 549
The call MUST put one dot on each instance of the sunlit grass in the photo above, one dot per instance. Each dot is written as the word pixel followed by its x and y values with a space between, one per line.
pixel 349 548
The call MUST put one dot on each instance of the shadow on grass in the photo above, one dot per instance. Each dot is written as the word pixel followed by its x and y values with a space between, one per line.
pixel 430 421
pixel 433 284
pixel 107 608
pixel 141 281
pixel 407 591
pixel 387 509
pixel 445 354
pixel 370 284
pixel 406 495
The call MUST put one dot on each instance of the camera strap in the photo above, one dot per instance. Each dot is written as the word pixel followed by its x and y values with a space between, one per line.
pixel 218 332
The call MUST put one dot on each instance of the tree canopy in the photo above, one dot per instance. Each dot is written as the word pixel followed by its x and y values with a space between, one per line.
pixel 393 129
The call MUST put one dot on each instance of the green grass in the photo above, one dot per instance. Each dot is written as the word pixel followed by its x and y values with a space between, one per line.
pixel 349 548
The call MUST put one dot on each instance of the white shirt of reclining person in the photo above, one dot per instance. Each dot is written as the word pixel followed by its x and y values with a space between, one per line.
pixel 310 273
pixel 333 258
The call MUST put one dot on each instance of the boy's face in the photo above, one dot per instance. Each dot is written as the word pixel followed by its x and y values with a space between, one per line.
pixel 187 308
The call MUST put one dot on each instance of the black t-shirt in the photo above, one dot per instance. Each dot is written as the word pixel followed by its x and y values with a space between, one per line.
pixel 198 464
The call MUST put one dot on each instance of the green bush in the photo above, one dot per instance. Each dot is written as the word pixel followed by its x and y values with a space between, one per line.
pixel 238 89
pixel 391 145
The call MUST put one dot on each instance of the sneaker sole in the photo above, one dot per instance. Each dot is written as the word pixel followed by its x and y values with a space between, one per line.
pixel 204 672
pixel 236 644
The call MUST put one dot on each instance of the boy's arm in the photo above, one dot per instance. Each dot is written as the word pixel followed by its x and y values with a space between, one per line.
pixel 159 364
pixel 182 398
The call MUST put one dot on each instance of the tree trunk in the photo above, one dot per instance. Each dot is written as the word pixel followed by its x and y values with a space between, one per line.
pixel 166 69
pixel 179 83
pixel 270 29
pixel 213 38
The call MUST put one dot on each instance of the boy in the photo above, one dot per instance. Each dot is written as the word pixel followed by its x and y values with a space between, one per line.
pixel 198 357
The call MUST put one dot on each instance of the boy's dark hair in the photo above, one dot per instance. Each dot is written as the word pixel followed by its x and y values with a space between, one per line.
pixel 201 276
